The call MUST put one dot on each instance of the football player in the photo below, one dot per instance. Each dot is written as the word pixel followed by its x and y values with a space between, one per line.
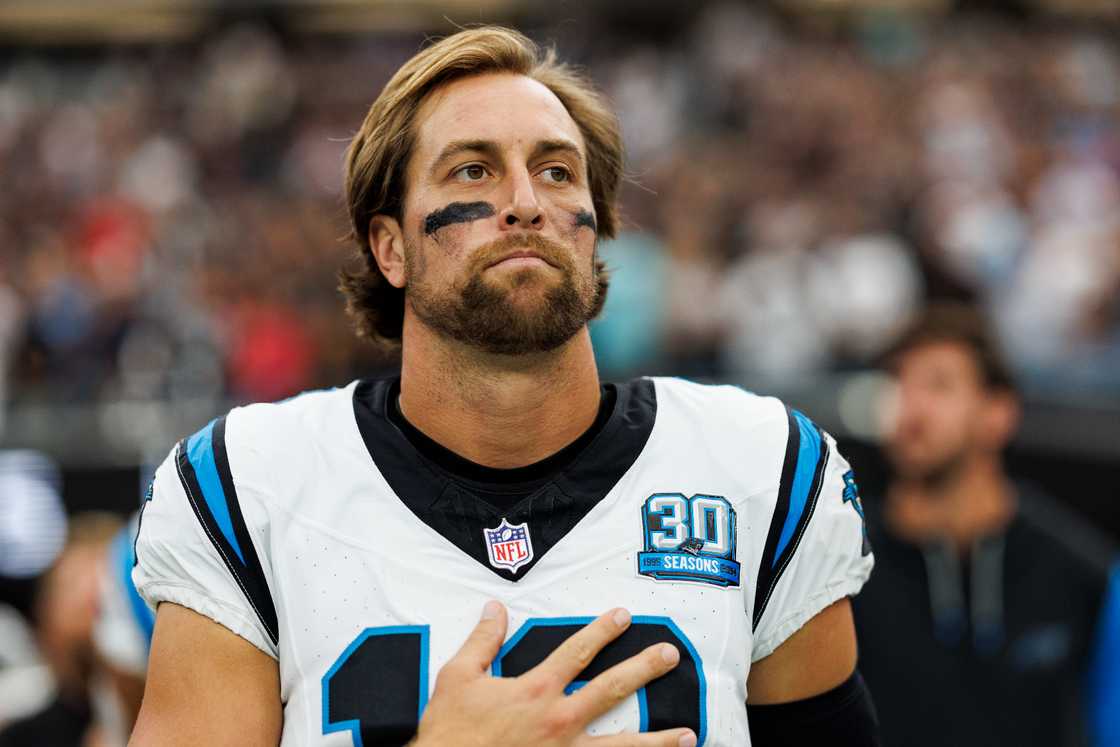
pixel 318 563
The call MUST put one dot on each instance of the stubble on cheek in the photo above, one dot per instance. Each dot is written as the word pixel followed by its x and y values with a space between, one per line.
pixel 446 228
pixel 573 223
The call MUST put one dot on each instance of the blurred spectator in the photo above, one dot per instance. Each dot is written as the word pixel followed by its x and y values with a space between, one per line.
pixel 64 614
pixel 991 617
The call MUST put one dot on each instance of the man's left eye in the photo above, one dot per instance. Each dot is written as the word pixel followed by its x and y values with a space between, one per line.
pixel 557 174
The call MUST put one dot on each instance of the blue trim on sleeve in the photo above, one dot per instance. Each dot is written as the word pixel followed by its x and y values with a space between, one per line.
pixel 200 452
pixel 203 465
pixel 809 453
pixel 1102 692
pixel 799 485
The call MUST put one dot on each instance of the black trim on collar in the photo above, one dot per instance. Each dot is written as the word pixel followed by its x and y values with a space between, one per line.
pixel 495 480
pixel 449 505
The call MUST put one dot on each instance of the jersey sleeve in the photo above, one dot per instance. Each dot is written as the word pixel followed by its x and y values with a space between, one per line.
pixel 816 550
pixel 194 546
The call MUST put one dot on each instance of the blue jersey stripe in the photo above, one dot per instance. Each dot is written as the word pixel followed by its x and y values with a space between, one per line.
pixel 125 560
pixel 200 452
pixel 799 486
pixel 808 455
pixel 1103 686
pixel 204 469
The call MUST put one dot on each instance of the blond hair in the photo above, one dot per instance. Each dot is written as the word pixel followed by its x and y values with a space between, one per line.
pixel 378 155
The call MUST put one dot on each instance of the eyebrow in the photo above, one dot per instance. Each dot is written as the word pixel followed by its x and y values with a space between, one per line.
pixel 455 147
pixel 491 150
pixel 557 146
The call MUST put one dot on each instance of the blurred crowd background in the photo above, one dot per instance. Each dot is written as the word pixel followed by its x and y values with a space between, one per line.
pixel 803 177
pixel 171 219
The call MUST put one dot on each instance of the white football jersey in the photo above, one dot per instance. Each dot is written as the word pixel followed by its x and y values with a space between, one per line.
pixel 318 531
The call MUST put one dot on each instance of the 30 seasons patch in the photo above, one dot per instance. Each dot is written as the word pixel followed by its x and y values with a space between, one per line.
pixel 689 539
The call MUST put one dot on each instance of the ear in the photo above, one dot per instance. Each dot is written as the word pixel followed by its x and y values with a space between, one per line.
pixel 386 241
pixel 1001 419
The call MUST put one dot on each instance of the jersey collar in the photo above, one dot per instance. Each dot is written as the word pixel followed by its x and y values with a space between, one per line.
pixel 451 507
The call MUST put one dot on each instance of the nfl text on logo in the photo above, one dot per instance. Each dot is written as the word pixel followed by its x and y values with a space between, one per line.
pixel 508 545
pixel 689 539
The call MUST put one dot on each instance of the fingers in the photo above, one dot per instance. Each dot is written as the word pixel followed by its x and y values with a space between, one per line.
pixel 482 645
pixel 573 655
pixel 623 679
pixel 667 738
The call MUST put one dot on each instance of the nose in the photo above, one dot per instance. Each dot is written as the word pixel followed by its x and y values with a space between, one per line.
pixel 523 211
pixel 914 408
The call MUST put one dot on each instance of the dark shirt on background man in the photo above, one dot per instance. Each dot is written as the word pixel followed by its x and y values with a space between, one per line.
pixel 1017 643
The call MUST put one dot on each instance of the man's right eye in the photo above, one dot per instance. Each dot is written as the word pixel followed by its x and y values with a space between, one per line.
pixel 470 173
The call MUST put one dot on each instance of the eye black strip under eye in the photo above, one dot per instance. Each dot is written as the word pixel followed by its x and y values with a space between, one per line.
pixel 457 212
pixel 585 218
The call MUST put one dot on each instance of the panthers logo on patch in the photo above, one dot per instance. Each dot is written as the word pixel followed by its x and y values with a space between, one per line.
pixel 689 539
pixel 851 495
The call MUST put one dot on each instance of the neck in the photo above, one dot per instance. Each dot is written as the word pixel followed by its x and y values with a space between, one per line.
pixel 974 502
pixel 497 410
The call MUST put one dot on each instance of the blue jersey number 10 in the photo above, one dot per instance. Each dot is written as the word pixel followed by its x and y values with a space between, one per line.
pixel 378 687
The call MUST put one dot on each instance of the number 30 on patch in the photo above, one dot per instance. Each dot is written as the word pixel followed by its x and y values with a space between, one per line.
pixel 689 539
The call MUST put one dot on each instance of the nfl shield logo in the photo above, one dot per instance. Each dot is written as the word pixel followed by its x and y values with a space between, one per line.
pixel 508 545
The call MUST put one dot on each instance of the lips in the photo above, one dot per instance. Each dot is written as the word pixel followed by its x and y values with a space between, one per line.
pixel 520 254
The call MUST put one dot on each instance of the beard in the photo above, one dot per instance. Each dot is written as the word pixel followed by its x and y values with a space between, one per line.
pixel 482 312
pixel 931 474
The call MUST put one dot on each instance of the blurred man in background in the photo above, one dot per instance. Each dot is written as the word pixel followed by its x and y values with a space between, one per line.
pixel 992 619
pixel 83 676
pixel 65 608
